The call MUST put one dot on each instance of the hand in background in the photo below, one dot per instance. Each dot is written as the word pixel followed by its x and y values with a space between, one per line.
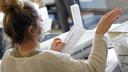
pixel 107 20
pixel 57 45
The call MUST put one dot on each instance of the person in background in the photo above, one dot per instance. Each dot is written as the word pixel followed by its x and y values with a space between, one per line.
pixel 64 13
pixel 22 26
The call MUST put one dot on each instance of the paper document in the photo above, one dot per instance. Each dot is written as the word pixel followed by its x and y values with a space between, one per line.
pixel 72 38
pixel 112 61
pixel 119 37
pixel 75 32
pixel 47 22
pixel 44 13
pixel 76 15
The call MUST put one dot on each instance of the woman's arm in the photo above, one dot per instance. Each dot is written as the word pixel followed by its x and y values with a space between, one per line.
pixel 98 56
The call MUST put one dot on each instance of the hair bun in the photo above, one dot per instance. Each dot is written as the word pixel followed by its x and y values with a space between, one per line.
pixel 6 5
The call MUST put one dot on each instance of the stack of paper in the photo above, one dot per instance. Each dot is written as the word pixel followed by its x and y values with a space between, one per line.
pixel 112 61
pixel 119 36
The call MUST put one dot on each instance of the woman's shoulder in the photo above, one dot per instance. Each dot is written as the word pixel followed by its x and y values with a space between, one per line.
pixel 7 52
pixel 44 54
pixel 49 54
pixel 54 53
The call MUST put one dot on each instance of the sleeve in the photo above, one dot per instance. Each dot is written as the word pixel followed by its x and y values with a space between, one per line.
pixel 95 63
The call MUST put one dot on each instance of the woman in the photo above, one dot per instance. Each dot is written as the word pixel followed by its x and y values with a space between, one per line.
pixel 22 25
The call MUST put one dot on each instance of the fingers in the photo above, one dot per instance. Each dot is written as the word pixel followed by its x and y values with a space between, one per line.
pixel 57 44
pixel 54 40
pixel 115 18
pixel 60 45
pixel 115 15
pixel 114 11
pixel 107 20
pixel 57 40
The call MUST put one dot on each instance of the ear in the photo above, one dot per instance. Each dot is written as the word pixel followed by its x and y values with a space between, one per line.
pixel 30 30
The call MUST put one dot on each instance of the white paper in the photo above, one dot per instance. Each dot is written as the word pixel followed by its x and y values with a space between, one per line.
pixel 112 61
pixel 119 37
pixel 44 13
pixel 72 38
pixel 75 32
pixel 122 28
pixel 83 42
pixel 47 22
pixel 46 25
pixel 76 15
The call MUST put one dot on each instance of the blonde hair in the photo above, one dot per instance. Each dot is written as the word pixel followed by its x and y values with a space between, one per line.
pixel 18 17
pixel 5 5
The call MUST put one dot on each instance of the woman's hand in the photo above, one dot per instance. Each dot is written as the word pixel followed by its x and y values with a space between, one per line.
pixel 57 45
pixel 107 20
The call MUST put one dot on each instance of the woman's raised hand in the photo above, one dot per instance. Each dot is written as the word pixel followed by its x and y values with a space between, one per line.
pixel 107 20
